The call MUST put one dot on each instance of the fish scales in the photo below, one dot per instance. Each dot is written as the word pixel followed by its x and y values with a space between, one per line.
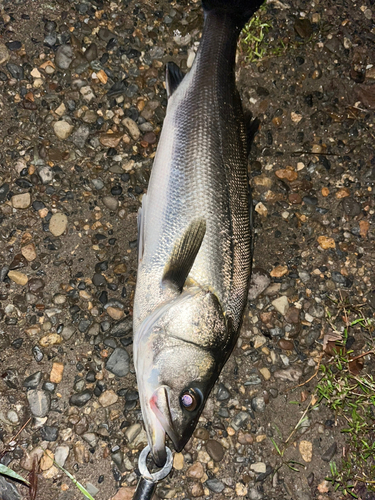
pixel 194 237
pixel 204 175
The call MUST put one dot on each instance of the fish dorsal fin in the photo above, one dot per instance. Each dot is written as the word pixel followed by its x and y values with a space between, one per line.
pixel 174 76
pixel 184 254
pixel 141 227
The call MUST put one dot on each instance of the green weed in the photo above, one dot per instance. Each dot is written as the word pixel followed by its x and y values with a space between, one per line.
pixel 10 473
pixel 351 396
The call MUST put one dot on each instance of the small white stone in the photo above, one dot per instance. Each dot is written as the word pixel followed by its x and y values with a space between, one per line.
pixel 87 93
pixel 132 128
pixel 62 129
pixel 35 73
pixel 261 209
pixel 21 200
pixel 281 304
pixel 58 223
pixel 38 82
pixel 258 467
pixel 61 110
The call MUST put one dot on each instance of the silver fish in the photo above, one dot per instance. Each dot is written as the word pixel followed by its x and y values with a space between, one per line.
pixel 195 236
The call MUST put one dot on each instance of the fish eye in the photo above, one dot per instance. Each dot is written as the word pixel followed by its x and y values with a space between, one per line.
pixel 190 400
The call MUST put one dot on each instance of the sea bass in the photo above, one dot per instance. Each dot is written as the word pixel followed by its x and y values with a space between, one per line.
pixel 194 243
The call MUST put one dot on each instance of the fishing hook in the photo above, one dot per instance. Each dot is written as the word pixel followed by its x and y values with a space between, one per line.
pixel 147 483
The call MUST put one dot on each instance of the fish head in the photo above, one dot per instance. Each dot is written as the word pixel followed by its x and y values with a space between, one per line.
pixel 178 361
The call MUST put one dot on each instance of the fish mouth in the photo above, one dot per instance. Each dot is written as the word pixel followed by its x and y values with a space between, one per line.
pixel 159 404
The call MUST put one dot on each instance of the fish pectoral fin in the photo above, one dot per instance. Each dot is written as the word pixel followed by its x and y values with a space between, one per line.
pixel 252 126
pixel 184 254
pixel 174 76
pixel 141 227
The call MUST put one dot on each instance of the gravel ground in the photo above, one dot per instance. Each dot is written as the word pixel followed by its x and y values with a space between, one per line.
pixel 82 102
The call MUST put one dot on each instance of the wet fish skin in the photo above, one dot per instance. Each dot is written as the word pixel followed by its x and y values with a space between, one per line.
pixel 194 236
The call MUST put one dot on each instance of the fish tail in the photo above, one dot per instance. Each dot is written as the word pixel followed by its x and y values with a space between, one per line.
pixel 239 10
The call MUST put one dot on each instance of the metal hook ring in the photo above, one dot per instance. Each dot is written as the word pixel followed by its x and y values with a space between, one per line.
pixel 159 475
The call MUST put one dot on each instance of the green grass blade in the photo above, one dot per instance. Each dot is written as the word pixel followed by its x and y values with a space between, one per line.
pixel 10 473
pixel 276 447
pixel 81 488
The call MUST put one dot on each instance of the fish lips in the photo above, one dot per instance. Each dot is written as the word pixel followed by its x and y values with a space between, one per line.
pixel 159 404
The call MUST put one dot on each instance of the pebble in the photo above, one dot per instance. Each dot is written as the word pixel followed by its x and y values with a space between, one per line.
pixel 111 140
pixel 91 489
pixel 32 381
pixel 303 28
pixel 21 201
pixel 241 490
pixel 288 174
pixel 258 404
pixel 49 433
pixel 87 93
pixel 132 127
pixel 338 278
pixel 240 420
pixel 245 438
pixel 115 313
pixel 91 53
pixel 124 493
pixel 110 202
pixel 80 136
pixel 13 417
pixel 132 432
pixel 281 304
pixel 215 485
pixel 50 339
pixel 46 461
pixel 67 332
pixel 61 454
pixel 201 433
pixel 351 207
pixel 108 398
pixel 18 277
pixel 81 398
pixel 4 54
pixel 39 402
pixel 291 374
pixel 196 489
pixel 64 56
pixel 57 371
pixel 258 467
pixel 178 461
pixel 293 315
pixel 222 393
pixel 195 471
pixel 261 209
pixel 62 129
pixel 326 243
pixel 58 223
pixel 29 252
pixel 330 453
pixel 259 281
pixel 286 345
pixel 342 193
pixel 265 373
pixel 305 448
pixel 215 450
pixel 259 340
pixel 90 438
pixel 119 362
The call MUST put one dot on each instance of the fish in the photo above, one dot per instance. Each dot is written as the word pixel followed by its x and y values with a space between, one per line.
pixel 194 236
